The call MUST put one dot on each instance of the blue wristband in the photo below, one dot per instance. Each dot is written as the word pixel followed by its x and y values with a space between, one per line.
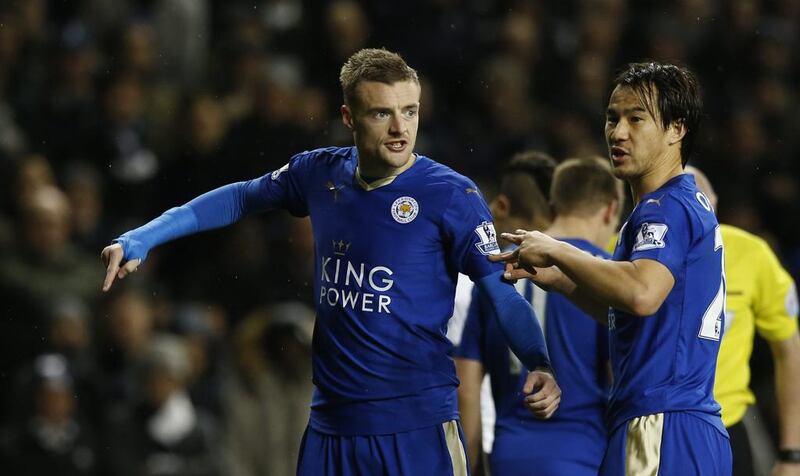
pixel 174 223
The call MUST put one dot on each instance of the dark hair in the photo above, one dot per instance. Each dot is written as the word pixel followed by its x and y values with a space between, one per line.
pixel 525 180
pixel 676 91
pixel 581 186
pixel 372 64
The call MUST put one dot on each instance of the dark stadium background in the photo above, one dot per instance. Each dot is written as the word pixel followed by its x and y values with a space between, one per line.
pixel 112 111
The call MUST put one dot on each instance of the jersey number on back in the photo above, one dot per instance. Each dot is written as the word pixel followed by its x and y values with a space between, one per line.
pixel 711 326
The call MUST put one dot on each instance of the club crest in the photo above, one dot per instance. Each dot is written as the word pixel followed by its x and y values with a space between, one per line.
pixel 404 210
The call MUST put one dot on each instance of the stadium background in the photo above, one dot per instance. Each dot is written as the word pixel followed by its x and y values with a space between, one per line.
pixel 113 110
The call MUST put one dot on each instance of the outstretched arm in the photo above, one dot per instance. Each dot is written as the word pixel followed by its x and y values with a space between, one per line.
pixel 213 209
pixel 553 279
pixel 637 287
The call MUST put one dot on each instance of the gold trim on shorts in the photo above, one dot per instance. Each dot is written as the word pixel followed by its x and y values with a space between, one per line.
pixel 457 454
pixel 643 445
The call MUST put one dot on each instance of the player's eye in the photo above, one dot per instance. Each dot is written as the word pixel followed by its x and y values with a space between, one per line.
pixel 637 119
pixel 411 113
pixel 381 115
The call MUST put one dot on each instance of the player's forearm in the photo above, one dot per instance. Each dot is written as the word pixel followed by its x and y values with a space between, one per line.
pixel 600 283
pixel 213 209
pixel 517 321
pixel 470 372
pixel 589 304
pixel 787 386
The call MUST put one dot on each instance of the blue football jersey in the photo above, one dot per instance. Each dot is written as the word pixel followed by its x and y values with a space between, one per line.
pixel 387 259
pixel 578 348
pixel 666 362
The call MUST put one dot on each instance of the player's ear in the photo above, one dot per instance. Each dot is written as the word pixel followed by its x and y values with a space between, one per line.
pixel 347 116
pixel 611 211
pixel 676 131
pixel 500 207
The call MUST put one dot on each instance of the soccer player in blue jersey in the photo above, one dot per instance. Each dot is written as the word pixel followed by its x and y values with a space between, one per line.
pixel 586 201
pixel 663 294
pixel 392 230
pixel 522 201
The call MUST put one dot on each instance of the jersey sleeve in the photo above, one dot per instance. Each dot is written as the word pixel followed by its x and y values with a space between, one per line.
pixel 285 187
pixel 660 231
pixel 774 298
pixel 470 232
pixel 471 345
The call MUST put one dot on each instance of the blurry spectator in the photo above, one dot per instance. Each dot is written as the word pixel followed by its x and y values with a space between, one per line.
pixel 23 55
pixel 271 389
pixel 438 138
pixel 243 62
pixel 54 439
pixel 265 139
pixel 125 146
pixel 244 258
pixel 300 262
pixel 347 27
pixel 521 35
pixel 128 324
pixel 33 171
pixel 200 163
pixel 12 138
pixel 337 30
pixel 202 327
pixel 183 35
pixel 511 112
pixel 312 115
pixel 69 334
pixel 601 26
pixel 181 29
pixel 139 55
pixel 46 264
pixel 162 433
pixel 66 126
pixel 84 187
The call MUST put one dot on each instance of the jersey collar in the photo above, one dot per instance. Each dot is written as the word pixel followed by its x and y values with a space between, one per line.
pixel 383 181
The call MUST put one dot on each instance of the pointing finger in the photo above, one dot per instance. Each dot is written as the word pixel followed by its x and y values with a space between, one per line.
pixel 112 259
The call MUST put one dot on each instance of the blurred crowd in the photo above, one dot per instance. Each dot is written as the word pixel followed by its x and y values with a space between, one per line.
pixel 114 110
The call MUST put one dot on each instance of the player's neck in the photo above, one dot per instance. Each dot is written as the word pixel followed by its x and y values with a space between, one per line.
pixel 375 169
pixel 581 228
pixel 654 179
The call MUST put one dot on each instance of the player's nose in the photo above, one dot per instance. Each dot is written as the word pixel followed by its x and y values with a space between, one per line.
pixel 396 125
pixel 619 132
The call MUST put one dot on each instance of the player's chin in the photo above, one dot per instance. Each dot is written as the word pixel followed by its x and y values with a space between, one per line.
pixel 622 171
pixel 397 158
